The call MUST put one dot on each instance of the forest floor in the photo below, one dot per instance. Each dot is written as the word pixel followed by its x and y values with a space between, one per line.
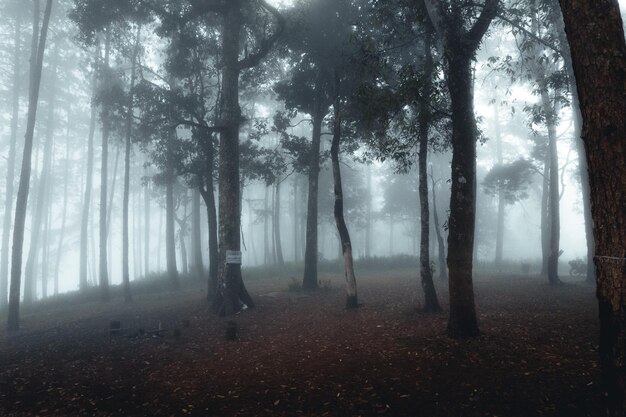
pixel 304 354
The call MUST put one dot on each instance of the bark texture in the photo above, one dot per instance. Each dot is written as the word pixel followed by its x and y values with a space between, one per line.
pixel 431 303
pixel 460 46
pixel 342 228
pixel 596 37
pixel 309 281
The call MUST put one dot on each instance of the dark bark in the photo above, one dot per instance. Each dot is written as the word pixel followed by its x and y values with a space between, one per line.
pixel 22 193
pixel 441 247
pixel 84 224
pixel 276 224
pixel 460 47
pixel 431 303
pixel 553 203
pixel 106 128
pixel 342 229
pixel 309 280
pixel 596 36
pixel 233 289
pixel 10 178
pixel 197 267
pixel 127 148
pixel 207 192
pixel 463 321
pixel 170 230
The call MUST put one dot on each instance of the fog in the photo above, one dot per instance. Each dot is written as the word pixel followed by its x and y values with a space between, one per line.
pixel 371 201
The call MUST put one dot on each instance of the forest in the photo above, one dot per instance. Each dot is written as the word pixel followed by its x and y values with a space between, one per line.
pixel 194 191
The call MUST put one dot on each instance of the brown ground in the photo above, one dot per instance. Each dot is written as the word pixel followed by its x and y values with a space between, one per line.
pixel 306 355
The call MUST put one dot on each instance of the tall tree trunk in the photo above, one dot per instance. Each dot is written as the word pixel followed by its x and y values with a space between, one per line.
pixel 342 229
pixel 22 193
pixel 170 232
pixel 545 216
pixel 309 281
pixel 596 36
pixel 460 48
pixel 10 178
pixel 196 236
pixel 146 226
pixel 208 195
pixel 84 223
pixel 501 200
pixel 266 228
pixel 127 148
pixel 66 177
pixel 106 127
pixel 463 322
pixel 233 289
pixel 553 197
pixel 368 213
pixel 276 224
pixel 207 192
pixel 431 303
pixel 296 221
pixel 39 218
pixel 583 169
pixel 45 246
pixel 441 247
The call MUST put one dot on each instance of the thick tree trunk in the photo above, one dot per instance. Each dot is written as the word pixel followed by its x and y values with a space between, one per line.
pixel 596 36
pixel 22 193
pixel 233 289
pixel 104 175
pixel 462 322
pixel 84 223
pixel 10 178
pixel 460 47
pixel 431 303
pixel 309 280
pixel 342 229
